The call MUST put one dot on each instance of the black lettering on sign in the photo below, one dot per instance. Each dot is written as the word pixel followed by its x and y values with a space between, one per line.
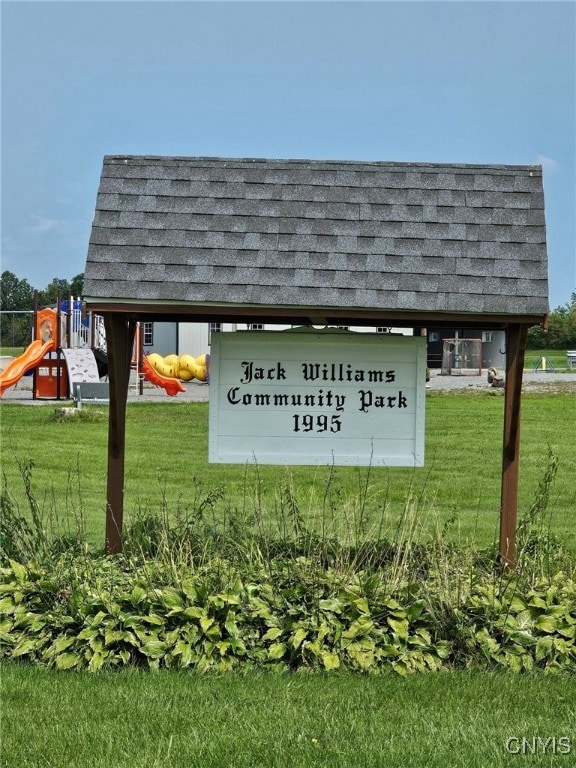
pixel 252 372
pixel 322 422
pixel 369 400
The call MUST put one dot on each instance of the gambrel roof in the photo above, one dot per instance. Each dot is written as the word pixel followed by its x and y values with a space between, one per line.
pixel 218 236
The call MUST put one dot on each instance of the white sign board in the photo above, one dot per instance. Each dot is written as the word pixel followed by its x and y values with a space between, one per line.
pixel 317 397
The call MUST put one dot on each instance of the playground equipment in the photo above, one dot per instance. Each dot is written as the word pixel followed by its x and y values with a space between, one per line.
pixel 544 364
pixel 69 348
pixel 62 352
pixel 35 353
pixel 184 367
pixel 170 384
pixel 17 367
pixel 170 371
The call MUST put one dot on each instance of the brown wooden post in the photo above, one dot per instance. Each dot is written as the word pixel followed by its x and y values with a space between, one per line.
pixel 515 350
pixel 119 340
pixel 58 345
pixel 140 336
pixel 35 335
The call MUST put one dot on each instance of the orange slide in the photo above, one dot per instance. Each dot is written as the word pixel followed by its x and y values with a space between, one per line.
pixel 172 386
pixel 28 359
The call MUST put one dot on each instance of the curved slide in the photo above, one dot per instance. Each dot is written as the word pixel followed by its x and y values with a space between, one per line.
pixel 30 358
pixel 172 386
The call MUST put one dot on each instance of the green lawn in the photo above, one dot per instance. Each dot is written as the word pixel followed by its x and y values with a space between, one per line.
pixel 166 468
pixel 171 720
pixel 177 719
pixel 557 357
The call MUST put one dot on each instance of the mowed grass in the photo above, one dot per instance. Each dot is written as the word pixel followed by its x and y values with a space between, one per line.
pixel 557 357
pixel 166 470
pixel 136 719
pixel 133 719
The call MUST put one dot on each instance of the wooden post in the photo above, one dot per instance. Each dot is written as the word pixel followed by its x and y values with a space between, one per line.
pixel 140 364
pixel 35 335
pixel 119 340
pixel 58 345
pixel 515 349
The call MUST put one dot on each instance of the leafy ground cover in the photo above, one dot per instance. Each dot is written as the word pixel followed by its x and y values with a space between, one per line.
pixel 407 610
pixel 185 720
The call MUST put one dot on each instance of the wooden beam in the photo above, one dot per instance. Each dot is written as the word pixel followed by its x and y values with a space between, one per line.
pixel 515 350
pixel 238 313
pixel 119 341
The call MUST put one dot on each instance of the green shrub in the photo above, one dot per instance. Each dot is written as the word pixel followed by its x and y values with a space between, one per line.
pixel 93 613
pixel 195 588
pixel 523 629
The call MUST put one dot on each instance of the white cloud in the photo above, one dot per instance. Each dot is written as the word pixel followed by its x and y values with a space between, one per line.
pixel 548 164
pixel 43 224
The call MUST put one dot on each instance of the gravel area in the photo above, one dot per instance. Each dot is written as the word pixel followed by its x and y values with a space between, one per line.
pixel 195 392
pixel 533 381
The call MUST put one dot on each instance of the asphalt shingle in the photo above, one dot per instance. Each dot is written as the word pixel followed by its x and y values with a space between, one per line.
pixel 343 235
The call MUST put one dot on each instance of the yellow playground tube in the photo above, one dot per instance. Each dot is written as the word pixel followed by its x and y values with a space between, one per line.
pixel 184 367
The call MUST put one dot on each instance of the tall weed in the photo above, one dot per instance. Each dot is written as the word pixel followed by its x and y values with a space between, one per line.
pixel 540 551
pixel 324 525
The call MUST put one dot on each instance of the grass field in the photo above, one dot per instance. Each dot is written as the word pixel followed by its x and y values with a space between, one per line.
pixel 173 720
pixel 136 719
pixel 555 356
pixel 166 469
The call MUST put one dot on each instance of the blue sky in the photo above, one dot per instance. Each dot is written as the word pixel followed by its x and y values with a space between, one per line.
pixel 463 82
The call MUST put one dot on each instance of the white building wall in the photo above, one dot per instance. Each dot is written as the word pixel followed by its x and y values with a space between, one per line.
pixel 355 328
pixel 194 338
pixel 164 340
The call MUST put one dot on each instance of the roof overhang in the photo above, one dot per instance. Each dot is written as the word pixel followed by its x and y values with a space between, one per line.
pixel 316 315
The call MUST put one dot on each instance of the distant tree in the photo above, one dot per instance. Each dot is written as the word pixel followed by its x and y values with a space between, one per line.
pixel 15 294
pixel 565 325
pixel 537 337
pixel 561 332
pixel 77 285
pixel 16 298
pixel 50 294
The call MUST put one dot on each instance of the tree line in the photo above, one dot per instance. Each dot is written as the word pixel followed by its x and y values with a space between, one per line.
pixel 561 333
pixel 17 296
pixel 17 304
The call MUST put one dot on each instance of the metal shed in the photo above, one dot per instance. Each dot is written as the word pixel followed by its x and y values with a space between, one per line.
pixel 306 241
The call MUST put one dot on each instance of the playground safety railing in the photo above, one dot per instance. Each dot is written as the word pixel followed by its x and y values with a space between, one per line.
pixel 91 392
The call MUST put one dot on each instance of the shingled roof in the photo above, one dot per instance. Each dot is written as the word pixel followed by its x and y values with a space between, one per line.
pixel 273 237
